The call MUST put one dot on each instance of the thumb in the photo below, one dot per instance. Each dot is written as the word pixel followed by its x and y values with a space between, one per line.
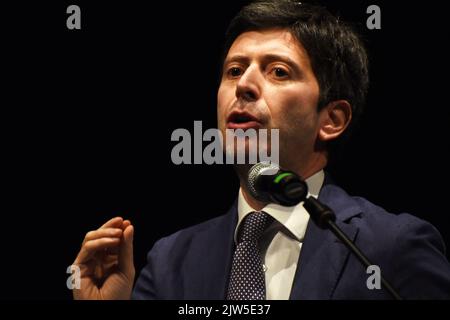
pixel 126 264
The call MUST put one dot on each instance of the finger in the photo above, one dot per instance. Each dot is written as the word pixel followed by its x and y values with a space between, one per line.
pixel 93 246
pixel 103 233
pixel 125 224
pixel 113 223
pixel 126 263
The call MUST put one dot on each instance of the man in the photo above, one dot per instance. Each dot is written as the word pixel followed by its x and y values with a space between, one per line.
pixel 293 67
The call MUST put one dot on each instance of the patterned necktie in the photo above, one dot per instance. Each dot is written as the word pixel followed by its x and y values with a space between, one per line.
pixel 247 280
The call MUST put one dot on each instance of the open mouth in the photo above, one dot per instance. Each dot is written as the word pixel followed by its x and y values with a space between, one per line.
pixel 242 120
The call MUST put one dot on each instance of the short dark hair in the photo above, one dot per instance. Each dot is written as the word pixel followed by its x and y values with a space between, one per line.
pixel 337 54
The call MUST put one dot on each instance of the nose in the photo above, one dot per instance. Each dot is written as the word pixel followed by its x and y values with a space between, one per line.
pixel 248 87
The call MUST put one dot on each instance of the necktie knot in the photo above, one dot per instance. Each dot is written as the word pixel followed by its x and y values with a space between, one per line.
pixel 253 226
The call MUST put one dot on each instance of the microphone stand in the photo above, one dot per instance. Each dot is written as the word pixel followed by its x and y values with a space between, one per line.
pixel 324 217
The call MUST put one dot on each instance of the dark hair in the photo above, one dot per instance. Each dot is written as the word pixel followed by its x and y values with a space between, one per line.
pixel 337 54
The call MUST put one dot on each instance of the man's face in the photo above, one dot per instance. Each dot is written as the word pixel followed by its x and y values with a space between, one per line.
pixel 268 82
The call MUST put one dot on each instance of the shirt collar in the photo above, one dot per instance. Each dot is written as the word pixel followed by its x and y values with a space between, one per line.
pixel 294 218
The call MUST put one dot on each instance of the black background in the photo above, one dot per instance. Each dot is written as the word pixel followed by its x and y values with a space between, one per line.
pixel 87 117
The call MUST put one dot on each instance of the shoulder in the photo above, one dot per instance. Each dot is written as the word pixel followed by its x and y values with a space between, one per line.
pixel 398 229
pixel 412 248
pixel 378 228
pixel 408 250
pixel 192 240
pixel 181 255
pixel 192 233
pixel 372 218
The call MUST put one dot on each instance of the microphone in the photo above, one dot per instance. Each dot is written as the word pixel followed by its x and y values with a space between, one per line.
pixel 267 182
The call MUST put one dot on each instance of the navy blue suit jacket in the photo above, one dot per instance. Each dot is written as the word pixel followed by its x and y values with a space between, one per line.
pixel 195 263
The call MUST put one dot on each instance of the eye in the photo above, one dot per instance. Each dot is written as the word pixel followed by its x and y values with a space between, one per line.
pixel 234 72
pixel 280 73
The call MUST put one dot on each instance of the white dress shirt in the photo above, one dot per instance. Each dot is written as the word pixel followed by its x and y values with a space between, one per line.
pixel 282 240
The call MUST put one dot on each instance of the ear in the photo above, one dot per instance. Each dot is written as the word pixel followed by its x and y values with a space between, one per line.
pixel 334 119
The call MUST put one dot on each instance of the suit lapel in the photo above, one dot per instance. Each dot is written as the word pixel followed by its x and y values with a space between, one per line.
pixel 323 256
pixel 320 264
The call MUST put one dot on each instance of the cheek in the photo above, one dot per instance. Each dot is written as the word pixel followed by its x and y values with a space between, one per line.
pixel 294 111
pixel 221 94
pixel 225 96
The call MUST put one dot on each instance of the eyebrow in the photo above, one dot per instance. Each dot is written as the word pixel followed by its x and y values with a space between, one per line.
pixel 266 59
pixel 236 58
